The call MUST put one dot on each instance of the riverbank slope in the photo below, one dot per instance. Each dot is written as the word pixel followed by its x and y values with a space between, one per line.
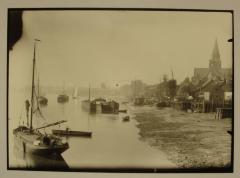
pixel 190 140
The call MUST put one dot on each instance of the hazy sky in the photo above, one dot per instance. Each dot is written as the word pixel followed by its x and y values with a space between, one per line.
pixel 82 47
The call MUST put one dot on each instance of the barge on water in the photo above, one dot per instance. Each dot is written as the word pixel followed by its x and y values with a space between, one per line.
pixel 100 105
pixel 89 106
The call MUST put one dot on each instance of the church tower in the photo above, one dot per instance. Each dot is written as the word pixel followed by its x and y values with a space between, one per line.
pixel 215 66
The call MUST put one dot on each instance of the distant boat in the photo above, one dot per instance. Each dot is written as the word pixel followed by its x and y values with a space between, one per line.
pixel 88 105
pixel 31 140
pixel 126 118
pixel 111 107
pixel 75 93
pixel 100 105
pixel 63 98
pixel 139 101
pixel 41 99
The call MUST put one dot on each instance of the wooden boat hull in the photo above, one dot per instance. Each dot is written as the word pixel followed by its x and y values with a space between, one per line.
pixel 110 107
pixel 89 106
pixel 25 143
pixel 43 100
pixel 72 133
pixel 100 106
pixel 62 98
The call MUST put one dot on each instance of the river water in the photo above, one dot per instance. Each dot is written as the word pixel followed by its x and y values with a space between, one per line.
pixel 114 143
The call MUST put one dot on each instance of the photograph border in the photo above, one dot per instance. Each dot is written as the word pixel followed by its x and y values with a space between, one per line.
pixel 125 170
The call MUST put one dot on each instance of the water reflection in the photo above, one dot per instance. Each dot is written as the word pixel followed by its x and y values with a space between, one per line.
pixel 34 161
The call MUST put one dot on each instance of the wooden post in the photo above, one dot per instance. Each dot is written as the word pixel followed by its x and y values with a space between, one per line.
pixel 203 107
pixel 212 104
pixel 223 102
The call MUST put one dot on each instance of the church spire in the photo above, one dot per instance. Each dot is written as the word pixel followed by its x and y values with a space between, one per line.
pixel 215 66
pixel 215 53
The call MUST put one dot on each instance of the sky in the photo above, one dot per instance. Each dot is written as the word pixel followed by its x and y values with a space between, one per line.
pixel 91 47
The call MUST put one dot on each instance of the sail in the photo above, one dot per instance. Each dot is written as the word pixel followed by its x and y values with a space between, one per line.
pixel 75 93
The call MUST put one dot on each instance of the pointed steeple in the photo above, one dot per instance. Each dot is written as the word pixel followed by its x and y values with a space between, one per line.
pixel 215 66
pixel 215 53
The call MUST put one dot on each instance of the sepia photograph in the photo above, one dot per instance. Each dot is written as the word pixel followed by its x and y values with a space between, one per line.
pixel 120 90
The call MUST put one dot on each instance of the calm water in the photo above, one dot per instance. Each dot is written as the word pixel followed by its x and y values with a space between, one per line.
pixel 113 144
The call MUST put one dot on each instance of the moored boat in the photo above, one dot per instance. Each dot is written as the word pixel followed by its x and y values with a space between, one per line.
pixel 126 118
pixel 89 106
pixel 30 139
pixel 62 98
pixel 72 133
pixel 111 107
pixel 42 100
pixel 100 105
pixel 34 142
pixel 139 101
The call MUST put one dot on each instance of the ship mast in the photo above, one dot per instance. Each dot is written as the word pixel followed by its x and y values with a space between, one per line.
pixel 89 92
pixel 172 74
pixel 38 88
pixel 33 86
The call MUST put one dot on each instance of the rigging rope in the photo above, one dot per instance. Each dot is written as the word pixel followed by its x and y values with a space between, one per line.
pixel 38 110
pixel 21 115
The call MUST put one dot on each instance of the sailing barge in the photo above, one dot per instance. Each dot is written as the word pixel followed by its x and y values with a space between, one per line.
pixel 30 139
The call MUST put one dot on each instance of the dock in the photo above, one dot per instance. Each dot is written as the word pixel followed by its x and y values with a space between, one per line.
pixel 222 113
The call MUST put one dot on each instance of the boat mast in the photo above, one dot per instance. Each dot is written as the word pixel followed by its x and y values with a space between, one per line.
pixel 172 74
pixel 38 88
pixel 33 86
pixel 89 94
pixel 63 87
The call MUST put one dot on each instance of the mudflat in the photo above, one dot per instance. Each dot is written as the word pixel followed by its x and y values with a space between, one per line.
pixel 190 140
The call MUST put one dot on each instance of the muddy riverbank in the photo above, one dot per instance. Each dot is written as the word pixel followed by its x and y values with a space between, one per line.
pixel 190 140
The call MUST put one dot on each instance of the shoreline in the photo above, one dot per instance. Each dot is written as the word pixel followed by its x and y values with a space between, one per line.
pixel 189 140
